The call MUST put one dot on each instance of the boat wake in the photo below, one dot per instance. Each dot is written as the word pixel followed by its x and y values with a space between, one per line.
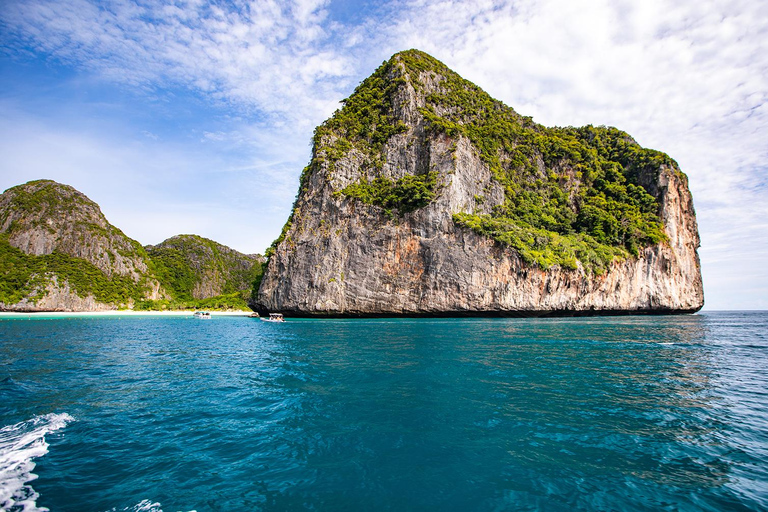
pixel 19 445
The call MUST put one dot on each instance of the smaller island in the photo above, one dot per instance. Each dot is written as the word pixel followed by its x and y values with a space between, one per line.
pixel 59 253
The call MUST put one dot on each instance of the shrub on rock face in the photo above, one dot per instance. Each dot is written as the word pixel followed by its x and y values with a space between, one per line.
pixel 405 195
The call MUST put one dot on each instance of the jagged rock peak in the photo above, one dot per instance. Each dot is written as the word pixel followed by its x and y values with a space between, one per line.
pixel 424 195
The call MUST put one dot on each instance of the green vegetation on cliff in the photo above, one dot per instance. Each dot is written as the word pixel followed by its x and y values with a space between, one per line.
pixel 52 236
pixel 185 263
pixel 24 275
pixel 174 272
pixel 542 247
pixel 570 194
pixel 225 302
pixel 43 196
pixel 407 194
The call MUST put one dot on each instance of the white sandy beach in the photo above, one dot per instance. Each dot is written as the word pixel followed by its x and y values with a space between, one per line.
pixel 123 313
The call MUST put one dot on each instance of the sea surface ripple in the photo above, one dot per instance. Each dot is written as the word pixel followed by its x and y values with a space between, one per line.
pixel 176 414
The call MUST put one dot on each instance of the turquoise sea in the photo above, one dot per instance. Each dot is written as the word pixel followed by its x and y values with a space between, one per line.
pixel 178 414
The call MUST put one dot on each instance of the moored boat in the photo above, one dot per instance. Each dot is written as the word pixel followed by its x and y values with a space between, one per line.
pixel 274 317
pixel 202 315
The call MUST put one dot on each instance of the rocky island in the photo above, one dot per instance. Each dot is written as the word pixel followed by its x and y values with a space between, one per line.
pixel 425 196
pixel 59 253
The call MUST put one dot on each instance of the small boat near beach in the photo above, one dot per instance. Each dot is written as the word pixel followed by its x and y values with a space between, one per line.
pixel 202 315
pixel 274 317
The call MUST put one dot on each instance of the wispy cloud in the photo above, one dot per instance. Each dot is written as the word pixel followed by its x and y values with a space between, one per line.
pixel 267 56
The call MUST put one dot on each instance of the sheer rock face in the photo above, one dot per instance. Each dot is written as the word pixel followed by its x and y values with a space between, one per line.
pixel 344 257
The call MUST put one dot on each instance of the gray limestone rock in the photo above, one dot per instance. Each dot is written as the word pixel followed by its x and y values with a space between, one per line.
pixel 43 216
pixel 343 257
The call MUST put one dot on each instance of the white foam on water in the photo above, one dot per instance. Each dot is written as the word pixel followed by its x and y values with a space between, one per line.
pixel 19 445
pixel 147 506
pixel 143 506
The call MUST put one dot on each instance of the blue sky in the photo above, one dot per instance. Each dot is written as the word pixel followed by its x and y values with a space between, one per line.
pixel 196 117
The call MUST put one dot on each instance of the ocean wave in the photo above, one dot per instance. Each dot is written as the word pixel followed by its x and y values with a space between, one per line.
pixel 19 445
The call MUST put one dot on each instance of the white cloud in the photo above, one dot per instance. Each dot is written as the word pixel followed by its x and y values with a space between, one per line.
pixel 266 55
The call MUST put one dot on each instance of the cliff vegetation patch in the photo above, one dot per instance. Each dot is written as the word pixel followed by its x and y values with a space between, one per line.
pixel 570 193
pixel 24 275
pixel 181 263
pixel 224 302
pixel 406 194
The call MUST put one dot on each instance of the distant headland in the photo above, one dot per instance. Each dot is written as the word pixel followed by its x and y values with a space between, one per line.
pixel 59 253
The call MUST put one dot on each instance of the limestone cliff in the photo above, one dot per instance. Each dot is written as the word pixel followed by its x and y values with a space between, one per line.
pixel 43 216
pixel 425 196
pixel 59 253
pixel 196 267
